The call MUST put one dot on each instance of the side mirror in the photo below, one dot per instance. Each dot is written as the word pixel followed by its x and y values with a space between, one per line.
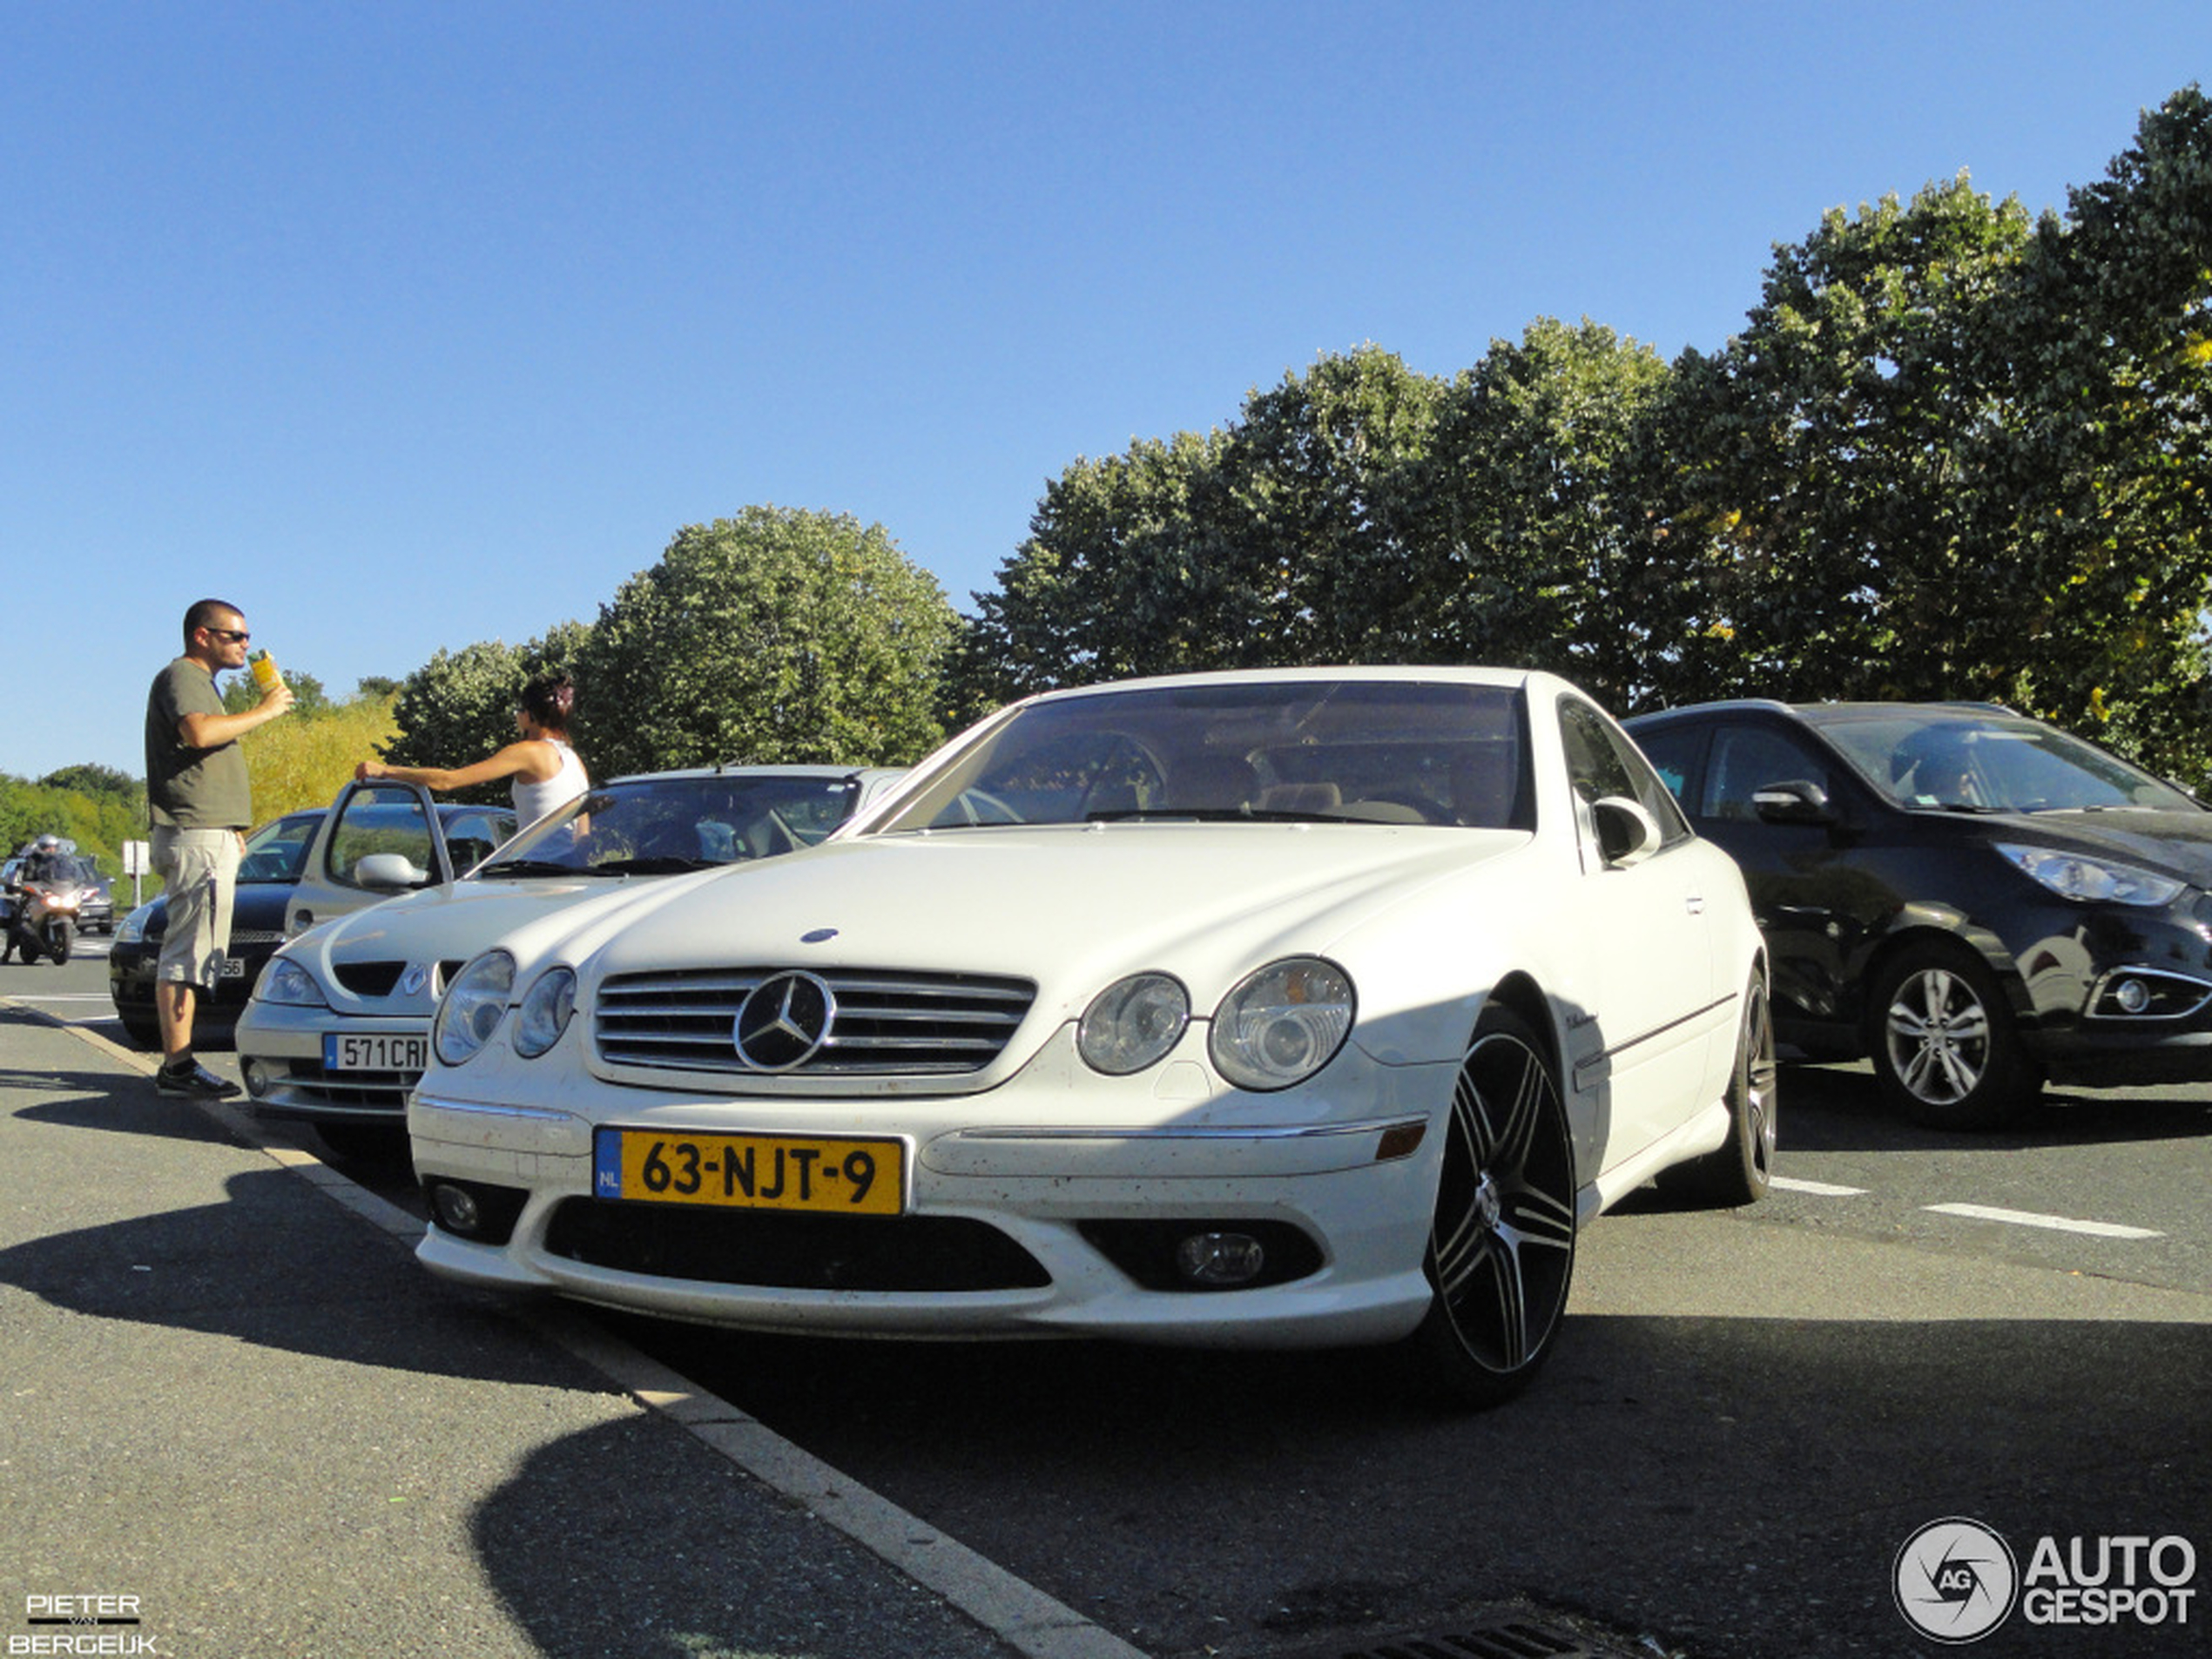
pixel 389 873
pixel 1626 833
pixel 1799 802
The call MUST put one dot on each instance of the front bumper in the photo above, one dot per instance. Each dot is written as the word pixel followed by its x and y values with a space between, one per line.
pixel 1025 1214
pixel 281 1055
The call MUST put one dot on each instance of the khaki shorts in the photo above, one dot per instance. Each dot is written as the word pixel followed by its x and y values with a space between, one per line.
pixel 199 870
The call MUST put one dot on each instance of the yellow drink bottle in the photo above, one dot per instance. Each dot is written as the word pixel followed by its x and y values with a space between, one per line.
pixel 264 673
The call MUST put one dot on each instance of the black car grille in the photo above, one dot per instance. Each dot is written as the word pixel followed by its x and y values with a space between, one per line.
pixel 810 1252
pixel 887 1022
pixel 369 979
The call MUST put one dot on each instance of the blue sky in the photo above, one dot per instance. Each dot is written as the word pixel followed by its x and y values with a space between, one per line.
pixel 409 325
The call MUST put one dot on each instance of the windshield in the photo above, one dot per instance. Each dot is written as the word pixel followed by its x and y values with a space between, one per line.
pixel 1391 751
pixel 1967 762
pixel 655 825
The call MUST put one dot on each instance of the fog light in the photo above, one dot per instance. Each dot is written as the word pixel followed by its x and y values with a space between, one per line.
pixel 455 1208
pixel 2133 996
pixel 1220 1258
pixel 257 1079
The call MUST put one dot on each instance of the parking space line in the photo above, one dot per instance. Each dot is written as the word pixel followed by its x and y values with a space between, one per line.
pixel 1818 1188
pixel 2055 1223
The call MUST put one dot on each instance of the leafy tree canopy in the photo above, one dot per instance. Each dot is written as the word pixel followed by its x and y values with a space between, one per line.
pixel 775 637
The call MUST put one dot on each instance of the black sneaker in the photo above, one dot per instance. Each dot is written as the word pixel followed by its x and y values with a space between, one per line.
pixel 192 1081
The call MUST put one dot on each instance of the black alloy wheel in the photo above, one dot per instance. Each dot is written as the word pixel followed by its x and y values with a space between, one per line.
pixel 1501 1243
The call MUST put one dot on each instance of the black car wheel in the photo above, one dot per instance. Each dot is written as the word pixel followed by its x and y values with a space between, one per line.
pixel 143 1029
pixel 1943 1043
pixel 1741 1171
pixel 1501 1244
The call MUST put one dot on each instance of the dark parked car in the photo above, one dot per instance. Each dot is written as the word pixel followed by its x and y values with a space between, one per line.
pixel 375 841
pixel 1974 900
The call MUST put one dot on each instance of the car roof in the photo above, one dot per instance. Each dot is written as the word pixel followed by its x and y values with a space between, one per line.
pixel 1822 713
pixel 809 769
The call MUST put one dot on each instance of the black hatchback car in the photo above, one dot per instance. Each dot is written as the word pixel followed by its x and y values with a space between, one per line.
pixel 1974 900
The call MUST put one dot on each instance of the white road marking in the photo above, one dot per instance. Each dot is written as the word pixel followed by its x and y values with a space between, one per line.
pixel 2056 1224
pixel 1818 1188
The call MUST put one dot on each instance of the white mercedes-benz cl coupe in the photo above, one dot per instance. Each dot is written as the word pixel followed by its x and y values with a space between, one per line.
pixel 1276 1007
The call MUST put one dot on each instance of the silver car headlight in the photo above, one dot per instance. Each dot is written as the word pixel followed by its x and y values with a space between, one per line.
pixel 1132 1024
pixel 1282 1024
pixel 545 1012
pixel 2072 875
pixel 286 982
pixel 473 1005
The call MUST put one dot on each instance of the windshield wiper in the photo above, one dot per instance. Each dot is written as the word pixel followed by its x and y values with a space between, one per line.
pixel 654 867
pixel 1211 815
pixel 520 867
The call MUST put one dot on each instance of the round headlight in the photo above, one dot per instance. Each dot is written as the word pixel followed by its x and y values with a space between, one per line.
pixel 1132 1024
pixel 544 1014
pixel 285 980
pixel 472 1007
pixel 1282 1024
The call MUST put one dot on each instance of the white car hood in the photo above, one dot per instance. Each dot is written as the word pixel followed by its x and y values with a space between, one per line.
pixel 1072 908
pixel 447 923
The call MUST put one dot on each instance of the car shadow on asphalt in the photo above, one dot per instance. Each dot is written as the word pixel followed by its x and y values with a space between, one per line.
pixel 1838 1109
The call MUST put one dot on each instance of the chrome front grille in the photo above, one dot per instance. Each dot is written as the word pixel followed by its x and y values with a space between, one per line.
pixel 888 1022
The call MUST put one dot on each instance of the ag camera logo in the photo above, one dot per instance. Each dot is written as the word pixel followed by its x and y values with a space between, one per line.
pixel 1955 1579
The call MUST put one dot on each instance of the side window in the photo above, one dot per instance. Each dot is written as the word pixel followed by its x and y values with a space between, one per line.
pixel 1601 761
pixel 379 820
pixel 1673 753
pixel 1746 759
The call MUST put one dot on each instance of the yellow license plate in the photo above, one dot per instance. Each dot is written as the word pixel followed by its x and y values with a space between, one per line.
pixel 833 1175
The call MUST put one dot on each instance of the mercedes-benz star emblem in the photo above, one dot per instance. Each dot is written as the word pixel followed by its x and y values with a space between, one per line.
pixel 784 1022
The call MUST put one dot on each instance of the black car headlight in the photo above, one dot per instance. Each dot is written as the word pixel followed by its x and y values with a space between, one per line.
pixel 1282 1024
pixel 2076 875
pixel 473 1005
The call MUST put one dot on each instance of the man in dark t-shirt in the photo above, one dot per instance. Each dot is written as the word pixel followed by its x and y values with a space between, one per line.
pixel 202 807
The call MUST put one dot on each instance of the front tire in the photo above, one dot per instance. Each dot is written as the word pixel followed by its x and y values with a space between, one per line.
pixel 1943 1043
pixel 60 944
pixel 1501 1242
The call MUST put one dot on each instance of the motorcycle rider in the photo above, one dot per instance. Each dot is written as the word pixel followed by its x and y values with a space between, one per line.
pixel 46 861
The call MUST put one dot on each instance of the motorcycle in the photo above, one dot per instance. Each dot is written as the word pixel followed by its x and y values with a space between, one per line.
pixel 44 921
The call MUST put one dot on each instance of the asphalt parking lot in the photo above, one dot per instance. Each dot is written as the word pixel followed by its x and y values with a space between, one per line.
pixel 231 1455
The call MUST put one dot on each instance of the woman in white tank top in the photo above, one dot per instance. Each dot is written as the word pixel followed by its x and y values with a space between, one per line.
pixel 546 772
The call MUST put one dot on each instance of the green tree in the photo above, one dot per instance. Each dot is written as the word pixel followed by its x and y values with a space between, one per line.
pixel 1129 569
pixel 1336 523
pixel 308 697
pixel 777 637
pixel 1545 556
pixel 2107 476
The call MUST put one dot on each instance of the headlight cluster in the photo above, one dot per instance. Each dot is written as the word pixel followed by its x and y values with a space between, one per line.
pixel 284 980
pixel 476 1001
pixel 2072 875
pixel 1276 1027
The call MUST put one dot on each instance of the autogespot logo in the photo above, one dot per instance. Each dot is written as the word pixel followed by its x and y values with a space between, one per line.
pixel 1955 1581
